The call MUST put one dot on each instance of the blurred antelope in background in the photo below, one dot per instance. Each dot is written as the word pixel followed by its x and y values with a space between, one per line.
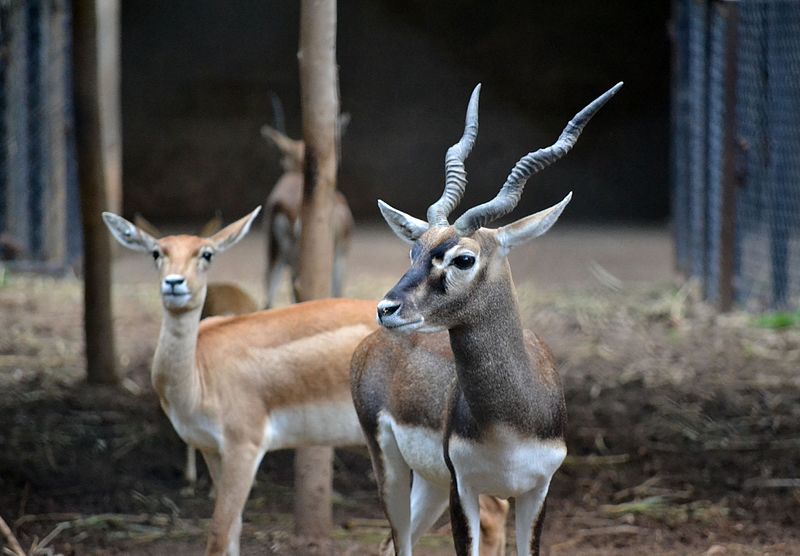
pixel 237 387
pixel 474 404
pixel 284 204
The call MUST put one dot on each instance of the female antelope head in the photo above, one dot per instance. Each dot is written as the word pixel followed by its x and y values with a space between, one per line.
pixel 459 270
pixel 181 260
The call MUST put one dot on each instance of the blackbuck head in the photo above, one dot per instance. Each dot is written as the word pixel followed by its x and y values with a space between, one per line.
pixel 293 151
pixel 460 269
pixel 182 260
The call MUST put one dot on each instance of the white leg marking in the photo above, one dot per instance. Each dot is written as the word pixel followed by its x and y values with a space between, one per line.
pixel 472 512
pixel 527 508
pixel 428 502
pixel 396 491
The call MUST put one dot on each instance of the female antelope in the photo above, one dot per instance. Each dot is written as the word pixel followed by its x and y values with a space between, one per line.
pixel 237 387
pixel 479 410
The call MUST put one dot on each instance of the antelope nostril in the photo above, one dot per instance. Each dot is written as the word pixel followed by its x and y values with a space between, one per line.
pixel 174 280
pixel 387 308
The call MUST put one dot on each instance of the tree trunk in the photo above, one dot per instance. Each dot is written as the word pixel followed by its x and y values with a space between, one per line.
pixel 320 102
pixel 98 327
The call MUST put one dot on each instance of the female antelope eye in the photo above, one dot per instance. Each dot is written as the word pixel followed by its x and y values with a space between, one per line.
pixel 207 255
pixel 463 262
pixel 156 254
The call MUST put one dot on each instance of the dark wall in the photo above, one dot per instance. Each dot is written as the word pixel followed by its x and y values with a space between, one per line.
pixel 196 77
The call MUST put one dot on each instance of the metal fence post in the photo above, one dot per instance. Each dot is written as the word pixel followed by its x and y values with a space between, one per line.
pixel 727 230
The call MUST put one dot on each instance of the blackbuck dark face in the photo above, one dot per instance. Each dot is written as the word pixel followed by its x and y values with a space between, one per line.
pixel 182 261
pixel 456 269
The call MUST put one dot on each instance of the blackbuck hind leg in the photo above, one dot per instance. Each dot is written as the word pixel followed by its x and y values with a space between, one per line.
pixel 529 510
pixel 233 474
pixel 428 502
pixel 394 484
pixel 465 518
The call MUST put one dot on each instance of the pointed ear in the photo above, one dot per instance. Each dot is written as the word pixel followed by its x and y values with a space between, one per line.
pixel 281 140
pixel 531 226
pixel 404 226
pixel 128 234
pixel 145 225
pixel 232 233
pixel 212 226
pixel 343 121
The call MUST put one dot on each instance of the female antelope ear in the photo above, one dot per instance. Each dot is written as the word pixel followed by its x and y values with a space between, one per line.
pixel 232 233
pixel 128 234
pixel 404 226
pixel 531 226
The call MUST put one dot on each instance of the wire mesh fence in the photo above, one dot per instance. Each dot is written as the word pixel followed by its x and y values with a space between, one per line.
pixel 39 211
pixel 736 149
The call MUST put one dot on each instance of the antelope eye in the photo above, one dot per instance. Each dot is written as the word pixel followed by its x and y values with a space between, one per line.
pixel 156 254
pixel 463 262
pixel 207 255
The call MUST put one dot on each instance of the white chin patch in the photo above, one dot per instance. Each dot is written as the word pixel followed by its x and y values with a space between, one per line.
pixel 176 301
pixel 430 328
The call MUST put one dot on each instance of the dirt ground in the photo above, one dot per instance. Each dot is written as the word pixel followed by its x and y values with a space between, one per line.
pixel 684 425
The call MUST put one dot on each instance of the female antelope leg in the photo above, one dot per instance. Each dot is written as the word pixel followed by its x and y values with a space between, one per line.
pixel 465 519
pixel 190 473
pixel 233 477
pixel 529 511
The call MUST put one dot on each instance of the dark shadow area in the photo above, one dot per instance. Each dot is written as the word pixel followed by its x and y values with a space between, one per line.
pixel 197 76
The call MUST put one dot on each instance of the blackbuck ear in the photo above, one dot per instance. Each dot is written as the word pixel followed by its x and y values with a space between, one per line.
pixel 404 226
pixel 128 234
pixel 212 226
pixel 231 234
pixel 525 229
pixel 281 140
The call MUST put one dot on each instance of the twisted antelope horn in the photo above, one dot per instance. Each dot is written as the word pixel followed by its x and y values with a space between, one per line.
pixel 278 116
pixel 528 165
pixel 455 174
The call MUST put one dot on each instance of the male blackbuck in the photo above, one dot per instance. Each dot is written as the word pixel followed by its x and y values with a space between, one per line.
pixel 480 408
pixel 237 387
pixel 283 223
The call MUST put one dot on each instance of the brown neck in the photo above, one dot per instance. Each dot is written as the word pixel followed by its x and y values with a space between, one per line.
pixel 174 374
pixel 495 372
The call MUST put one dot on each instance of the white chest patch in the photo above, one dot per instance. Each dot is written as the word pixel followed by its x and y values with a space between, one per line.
pixel 420 448
pixel 196 428
pixel 506 464
pixel 321 424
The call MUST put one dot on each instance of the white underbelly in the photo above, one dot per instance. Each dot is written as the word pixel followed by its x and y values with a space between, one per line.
pixel 319 424
pixel 506 464
pixel 419 447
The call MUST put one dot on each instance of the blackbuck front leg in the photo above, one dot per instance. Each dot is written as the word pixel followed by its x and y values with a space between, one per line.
pixel 529 511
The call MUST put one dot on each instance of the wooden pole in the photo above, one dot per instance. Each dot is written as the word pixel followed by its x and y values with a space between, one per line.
pixel 320 103
pixel 98 326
